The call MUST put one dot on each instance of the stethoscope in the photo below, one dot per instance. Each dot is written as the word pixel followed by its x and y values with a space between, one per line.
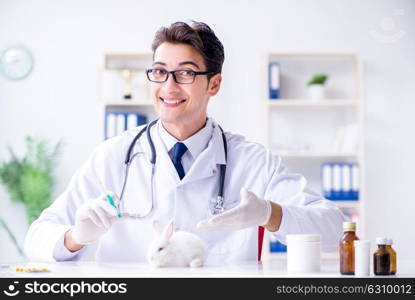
pixel 216 206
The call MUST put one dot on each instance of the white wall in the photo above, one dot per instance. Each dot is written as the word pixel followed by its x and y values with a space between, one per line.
pixel 68 39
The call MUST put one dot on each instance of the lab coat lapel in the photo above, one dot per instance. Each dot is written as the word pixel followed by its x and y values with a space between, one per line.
pixel 206 163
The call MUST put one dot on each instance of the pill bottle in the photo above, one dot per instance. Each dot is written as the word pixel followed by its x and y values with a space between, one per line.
pixel 381 258
pixel 392 253
pixel 303 253
pixel 346 248
pixel 361 257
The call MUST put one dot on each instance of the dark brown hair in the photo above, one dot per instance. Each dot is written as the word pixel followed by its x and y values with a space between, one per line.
pixel 198 35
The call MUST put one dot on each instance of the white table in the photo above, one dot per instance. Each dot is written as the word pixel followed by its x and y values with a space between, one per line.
pixel 272 268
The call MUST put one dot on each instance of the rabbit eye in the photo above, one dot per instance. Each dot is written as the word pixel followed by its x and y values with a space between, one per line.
pixel 159 249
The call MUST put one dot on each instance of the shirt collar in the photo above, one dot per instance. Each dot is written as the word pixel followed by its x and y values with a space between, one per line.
pixel 195 143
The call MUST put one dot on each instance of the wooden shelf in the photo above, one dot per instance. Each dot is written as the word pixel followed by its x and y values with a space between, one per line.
pixel 127 61
pixel 309 154
pixel 129 103
pixel 311 103
pixel 314 54
pixel 347 204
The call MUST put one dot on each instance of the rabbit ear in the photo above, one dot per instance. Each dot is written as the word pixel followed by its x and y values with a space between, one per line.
pixel 157 227
pixel 169 231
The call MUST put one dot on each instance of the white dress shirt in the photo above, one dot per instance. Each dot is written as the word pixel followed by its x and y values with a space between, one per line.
pixel 195 144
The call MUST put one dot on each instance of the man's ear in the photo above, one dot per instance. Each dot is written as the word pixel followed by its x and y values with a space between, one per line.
pixel 214 84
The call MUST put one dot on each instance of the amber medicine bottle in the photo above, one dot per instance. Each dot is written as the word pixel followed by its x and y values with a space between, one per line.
pixel 393 256
pixel 381 258
pixel 346 248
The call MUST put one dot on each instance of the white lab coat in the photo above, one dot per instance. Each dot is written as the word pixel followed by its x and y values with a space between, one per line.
pixel 249 165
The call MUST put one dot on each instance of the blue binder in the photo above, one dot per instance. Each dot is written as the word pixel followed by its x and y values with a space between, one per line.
pixel 326 180
pixel 355 176
pixel 141 119
pixel 276 246
pixel 111 129
pixel 274 80
pixel 337 187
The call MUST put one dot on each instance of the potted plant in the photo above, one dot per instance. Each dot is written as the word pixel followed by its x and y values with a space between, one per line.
pixel 316 86
pixel 30 179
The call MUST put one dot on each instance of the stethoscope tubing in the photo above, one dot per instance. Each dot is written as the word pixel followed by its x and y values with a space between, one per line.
pixel 218 208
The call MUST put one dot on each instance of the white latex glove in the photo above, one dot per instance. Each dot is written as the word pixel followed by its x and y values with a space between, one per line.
pixel 252 211
pixel 94 218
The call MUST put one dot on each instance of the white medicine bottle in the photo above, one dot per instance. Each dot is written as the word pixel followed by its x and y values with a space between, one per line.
pixel 362 257
pixel 303 253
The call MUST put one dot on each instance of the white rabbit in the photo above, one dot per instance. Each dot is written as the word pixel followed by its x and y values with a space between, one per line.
pixel 175 249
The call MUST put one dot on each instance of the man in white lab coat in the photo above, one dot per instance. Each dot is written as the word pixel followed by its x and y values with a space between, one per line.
pixel 190 149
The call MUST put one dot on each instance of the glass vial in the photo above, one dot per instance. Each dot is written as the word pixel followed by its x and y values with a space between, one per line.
pixel 392 253
pixel 362 257
pixel 346 248
pixel 381 258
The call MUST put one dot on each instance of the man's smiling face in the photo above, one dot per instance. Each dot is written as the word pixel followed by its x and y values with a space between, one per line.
pixel 181 104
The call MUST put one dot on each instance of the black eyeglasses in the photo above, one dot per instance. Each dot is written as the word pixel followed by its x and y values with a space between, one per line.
pixel 179 76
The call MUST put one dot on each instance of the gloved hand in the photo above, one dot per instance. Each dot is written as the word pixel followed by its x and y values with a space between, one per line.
pixel 252 211
pixel 94 218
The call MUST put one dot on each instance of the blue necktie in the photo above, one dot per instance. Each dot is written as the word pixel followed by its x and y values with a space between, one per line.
pixel 178 150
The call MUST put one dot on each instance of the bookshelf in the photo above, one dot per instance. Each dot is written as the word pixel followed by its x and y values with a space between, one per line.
pixel 124 92
pixel 308 133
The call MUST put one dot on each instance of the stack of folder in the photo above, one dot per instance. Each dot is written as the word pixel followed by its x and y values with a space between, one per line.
pixel 118 122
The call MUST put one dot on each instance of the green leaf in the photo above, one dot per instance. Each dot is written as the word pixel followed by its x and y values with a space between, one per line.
pixel 318 79
pixel 30 179
pixel 36 192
